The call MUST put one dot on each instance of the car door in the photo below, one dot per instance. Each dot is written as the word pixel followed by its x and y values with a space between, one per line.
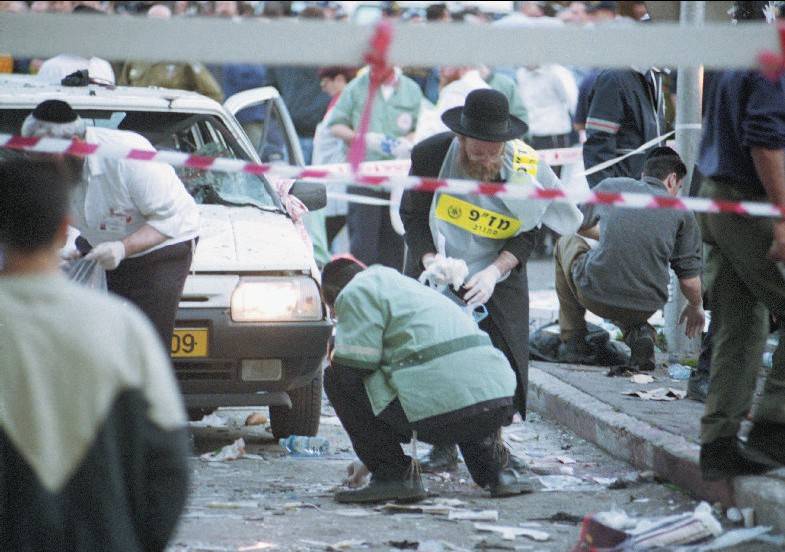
pixel 265 118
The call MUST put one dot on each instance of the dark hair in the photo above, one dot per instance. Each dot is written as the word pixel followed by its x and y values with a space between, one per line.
pixel 435 12
pixel 34 196
pixel 662 161
pixel 335 275
pixel 333 71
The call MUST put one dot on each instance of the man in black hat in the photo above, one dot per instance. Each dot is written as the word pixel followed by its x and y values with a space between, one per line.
pixel 493 236
pixel 135 218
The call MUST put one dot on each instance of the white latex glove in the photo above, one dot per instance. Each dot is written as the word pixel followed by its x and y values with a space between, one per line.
pixel 480 286
pixel 402 149
pixel 441 270
pixel 107 254
pixel 373 141
pixel 70 253
pixel 356 475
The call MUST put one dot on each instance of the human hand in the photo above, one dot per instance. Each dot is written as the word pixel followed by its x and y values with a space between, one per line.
pixel 777 249
pixel 107 254
pixel 480 286
pixel 356 475
pixel 401 149
pixel 373 141
pixel 695 317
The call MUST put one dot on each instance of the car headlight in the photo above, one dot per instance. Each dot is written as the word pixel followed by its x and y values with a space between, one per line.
pixel 276 299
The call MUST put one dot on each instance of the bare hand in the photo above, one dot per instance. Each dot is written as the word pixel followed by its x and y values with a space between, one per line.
pixel 695 318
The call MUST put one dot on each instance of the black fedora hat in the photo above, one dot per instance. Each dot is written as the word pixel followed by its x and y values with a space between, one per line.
pixel 485 116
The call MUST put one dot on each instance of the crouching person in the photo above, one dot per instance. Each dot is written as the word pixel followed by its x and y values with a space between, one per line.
pixel 407 359
pixel 93 442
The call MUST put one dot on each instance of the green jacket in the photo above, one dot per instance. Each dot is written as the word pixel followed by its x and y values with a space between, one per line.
pixel 417 345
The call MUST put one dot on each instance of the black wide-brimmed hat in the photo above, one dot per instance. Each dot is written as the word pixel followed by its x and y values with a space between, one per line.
pixel 485 116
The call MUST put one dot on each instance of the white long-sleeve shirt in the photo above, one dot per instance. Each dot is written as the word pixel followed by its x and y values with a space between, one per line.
pixel 117 197
pixel 550 95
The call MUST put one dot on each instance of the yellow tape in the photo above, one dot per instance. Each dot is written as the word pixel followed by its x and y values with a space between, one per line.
pixel 478 221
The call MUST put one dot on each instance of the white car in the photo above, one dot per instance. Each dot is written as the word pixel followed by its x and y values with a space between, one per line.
pixel 251 329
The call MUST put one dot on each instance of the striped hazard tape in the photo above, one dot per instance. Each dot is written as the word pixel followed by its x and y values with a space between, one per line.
pixel 326 174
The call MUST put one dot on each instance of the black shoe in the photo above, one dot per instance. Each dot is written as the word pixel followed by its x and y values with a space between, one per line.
pixel 405 490
pixel 442 458
pixel 509 483
pixel 765 444
pixel 698 386
pixel 722 459
pixel 574 350
pixel 641 340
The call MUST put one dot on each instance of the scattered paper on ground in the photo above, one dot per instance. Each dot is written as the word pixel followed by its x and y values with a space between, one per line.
pixel 641 379
pixel 510 533
pixel 659 394
pixel 255 418
pixel 211 420
pixel 478 515
pixel 229 452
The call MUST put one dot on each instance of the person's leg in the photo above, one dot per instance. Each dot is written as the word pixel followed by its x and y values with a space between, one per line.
pixel 376 443
pixel 364 223
pixel 572 322
pixel 154 283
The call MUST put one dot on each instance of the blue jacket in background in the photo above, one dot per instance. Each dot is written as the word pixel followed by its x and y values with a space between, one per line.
pixel 299 87
pixel 237 77
pixel 742 110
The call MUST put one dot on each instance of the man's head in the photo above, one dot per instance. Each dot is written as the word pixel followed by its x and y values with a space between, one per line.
pixel 336 275
pixel 53 119
pixel 437 12
pixel 665 164
pixel 34 202
pixel 333 79
pixel 601 12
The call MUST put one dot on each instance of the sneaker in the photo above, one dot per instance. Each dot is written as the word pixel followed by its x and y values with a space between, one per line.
pixel 574 350
pixel 698 385
pixel 640 340
pixel 722 459
pixel 442 458
pixel 509 483
pixel 765 444
pixel 405 490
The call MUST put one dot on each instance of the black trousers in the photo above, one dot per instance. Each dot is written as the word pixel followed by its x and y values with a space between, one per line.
pixel 372 238
pixel 377 439
pixel 154 283
pixel 553 142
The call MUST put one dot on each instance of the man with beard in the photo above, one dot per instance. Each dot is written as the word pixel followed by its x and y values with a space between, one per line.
pixel 493 236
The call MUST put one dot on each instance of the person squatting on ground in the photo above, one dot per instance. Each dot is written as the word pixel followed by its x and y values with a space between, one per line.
pixel 493 236
pixel 625 278
pixel 135 218
pixel 742 158
pixel 407 359
pixel 93 436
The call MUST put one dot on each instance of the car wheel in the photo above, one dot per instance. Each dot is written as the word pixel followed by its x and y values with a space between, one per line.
pixel 303 417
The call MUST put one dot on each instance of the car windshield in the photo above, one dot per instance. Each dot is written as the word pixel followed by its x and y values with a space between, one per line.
pixel 199 134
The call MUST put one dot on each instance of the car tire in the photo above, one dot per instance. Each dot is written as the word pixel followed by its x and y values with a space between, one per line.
pixel 303 417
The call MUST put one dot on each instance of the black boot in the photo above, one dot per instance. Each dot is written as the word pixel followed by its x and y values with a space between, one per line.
pixel 722 459
pixel 509 483
pixel 574 350
pixel 442 458
pixel 407 489
pixel 765 444
pixel 698 385
pixel 641 340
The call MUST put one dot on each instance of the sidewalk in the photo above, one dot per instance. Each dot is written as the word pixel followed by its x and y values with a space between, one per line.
pixel 651 435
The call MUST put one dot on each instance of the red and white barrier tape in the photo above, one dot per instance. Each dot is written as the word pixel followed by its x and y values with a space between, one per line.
pixel 461 187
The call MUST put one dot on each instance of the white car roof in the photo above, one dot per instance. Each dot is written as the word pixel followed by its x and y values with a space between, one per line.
pixel 23 91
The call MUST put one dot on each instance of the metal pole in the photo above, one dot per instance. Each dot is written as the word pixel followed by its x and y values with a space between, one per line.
pixel 688 135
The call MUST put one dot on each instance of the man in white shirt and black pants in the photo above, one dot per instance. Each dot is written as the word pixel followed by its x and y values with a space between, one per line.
pixel 135 218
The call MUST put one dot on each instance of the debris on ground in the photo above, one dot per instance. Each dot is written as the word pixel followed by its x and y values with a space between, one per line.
pixel 357 475
pixel 304 446
pixel 679 372
pixel 510 533
pixel 641 379
pixel 255 419
pixel 229 452
pixel 211 420
pixel 473 515
pixel 659 394
pixel 233 505
pixel 737 537
pixel 561 517
pixel 404 544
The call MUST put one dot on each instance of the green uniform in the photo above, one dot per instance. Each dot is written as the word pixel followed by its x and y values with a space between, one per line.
pixel 417 345
pixel 181 76
pixel 396 116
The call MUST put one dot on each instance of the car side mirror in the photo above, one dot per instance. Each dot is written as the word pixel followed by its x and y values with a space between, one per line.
pixel 312 194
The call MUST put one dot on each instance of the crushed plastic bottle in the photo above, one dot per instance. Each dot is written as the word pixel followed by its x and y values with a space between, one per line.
pixel 679 372
pixel 302 446
pixel 768 359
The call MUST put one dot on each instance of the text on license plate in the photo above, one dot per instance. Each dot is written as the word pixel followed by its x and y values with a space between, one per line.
pixel 189 342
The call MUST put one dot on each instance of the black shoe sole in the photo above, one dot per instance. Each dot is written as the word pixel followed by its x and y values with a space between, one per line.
pixel 347 498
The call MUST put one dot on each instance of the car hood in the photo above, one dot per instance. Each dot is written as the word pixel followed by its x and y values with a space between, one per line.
pixel 246 239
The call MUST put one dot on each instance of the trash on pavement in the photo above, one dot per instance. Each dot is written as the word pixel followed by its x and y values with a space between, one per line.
pixel 355 512
pixel 565 483
pixel 734 515
pixel 229 452
pixel 641 379
pixel 565 460
pixel 420 508
pixel 659 394
pixel 233 505
pixel 357 475
pixel 561 517
pixel 510 533
pixel 679 372
pixel 749 517
pixel 211 420
pixel 305 447
pixel 474 515
pixel 345 545
pixel 255 419
pixel 737 537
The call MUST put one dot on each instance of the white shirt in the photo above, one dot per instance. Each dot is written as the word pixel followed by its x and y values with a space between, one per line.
pixel 117 197
pixel 54 69
pixel 550 95
pixel 452 95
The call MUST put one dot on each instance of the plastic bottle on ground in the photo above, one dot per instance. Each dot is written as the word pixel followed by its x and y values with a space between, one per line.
pixel 301 445
pixel 679 372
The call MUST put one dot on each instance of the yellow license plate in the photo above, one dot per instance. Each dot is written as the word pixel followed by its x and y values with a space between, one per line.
pixel 189 342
